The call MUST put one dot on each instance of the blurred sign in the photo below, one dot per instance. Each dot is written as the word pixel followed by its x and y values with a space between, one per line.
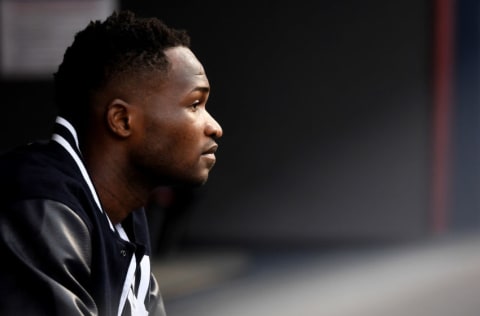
pixel 35 33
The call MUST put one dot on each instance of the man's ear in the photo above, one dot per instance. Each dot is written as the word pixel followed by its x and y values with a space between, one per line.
pixel 119 117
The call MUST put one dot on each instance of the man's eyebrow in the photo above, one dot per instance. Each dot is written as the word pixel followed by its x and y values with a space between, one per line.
pixel 201 89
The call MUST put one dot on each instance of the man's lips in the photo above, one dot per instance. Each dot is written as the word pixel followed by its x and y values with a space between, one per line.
pixel 209 155
pixel 211 150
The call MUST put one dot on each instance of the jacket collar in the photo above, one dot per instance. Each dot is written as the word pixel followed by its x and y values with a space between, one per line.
pixel 66 135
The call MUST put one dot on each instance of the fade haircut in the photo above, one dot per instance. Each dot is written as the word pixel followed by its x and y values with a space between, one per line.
pixel 122 46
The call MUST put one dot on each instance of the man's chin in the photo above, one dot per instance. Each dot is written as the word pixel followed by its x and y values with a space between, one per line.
pixel 201 182
pixel 195 182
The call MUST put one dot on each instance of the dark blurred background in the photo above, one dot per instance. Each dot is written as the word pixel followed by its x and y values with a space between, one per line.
pixel 345 123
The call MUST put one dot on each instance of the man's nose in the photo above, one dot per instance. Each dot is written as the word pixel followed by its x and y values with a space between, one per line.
pixel 213 128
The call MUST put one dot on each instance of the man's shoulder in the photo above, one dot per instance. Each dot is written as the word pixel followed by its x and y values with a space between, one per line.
pixel 38 170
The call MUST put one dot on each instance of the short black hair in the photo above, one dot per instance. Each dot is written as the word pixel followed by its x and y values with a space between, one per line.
pixel 122 45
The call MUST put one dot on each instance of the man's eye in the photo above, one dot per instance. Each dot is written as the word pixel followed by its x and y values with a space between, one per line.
pixel 195 104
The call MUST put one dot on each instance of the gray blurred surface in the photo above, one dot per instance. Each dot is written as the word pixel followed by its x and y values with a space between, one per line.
pixel 438 277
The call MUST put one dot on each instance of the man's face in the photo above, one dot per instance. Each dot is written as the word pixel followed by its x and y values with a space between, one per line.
pixel 177 144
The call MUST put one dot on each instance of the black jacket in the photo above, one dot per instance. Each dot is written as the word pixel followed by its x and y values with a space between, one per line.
pixel 60 253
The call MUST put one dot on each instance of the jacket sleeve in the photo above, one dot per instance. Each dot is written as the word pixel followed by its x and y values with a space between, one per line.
pixel 156 307
pixel 46 257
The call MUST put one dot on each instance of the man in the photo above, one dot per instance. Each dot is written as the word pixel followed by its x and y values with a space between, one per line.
pixel 132 117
